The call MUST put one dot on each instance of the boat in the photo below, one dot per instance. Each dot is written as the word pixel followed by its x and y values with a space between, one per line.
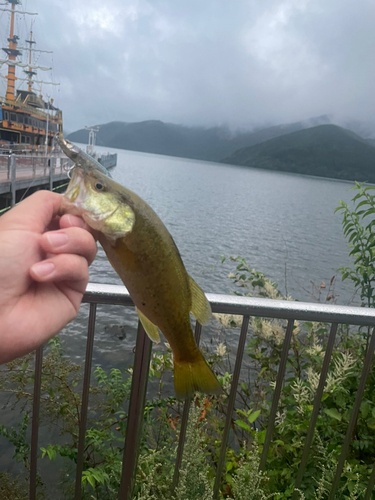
pixel 108 160
pixel 30 158
pixel 28 121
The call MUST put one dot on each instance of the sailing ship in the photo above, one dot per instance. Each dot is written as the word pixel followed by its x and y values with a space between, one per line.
pixel 28 121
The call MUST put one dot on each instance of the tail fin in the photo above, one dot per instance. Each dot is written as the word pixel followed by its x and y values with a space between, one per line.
pixel 194 376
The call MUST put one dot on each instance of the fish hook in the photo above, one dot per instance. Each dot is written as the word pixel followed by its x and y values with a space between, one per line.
pixel 69 170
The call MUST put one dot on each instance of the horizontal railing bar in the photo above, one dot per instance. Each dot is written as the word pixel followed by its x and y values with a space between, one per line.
pixel 250 306
pixel 98 293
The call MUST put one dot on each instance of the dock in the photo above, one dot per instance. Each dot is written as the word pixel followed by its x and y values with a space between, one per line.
pixel 21 175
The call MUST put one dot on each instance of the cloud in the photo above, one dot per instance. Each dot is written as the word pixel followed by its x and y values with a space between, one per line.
pixel 242 63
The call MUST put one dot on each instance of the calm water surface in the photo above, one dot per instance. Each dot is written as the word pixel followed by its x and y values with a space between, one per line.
pixel 276 221
pixel 283 224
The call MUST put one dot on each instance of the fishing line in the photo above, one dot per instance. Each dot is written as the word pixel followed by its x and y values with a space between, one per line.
pixel 53 189
pixel 5 209
pixel 27 190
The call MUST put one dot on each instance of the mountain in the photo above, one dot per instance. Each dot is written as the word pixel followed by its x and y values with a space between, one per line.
pixel 324 150
pixel 199 143
pixel 365 129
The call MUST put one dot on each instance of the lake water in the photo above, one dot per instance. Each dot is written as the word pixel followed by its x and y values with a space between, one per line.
pixel 283 224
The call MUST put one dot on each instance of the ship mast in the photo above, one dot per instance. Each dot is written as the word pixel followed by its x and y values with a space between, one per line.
pixel 30 73
pixel 12 52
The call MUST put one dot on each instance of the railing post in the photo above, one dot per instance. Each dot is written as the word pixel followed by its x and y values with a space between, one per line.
pixel 231 402
pixel 50 164
pixel 353 417
pixel 316 408
pixel 85 401
pixel 12 166
pixel 277 393
pixel 35 423
pixel 184 422
pixel 135 415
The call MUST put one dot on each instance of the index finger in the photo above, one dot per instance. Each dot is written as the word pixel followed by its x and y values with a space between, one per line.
pixel 33 213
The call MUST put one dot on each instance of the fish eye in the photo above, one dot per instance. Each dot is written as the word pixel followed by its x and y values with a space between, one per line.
pixel 99 186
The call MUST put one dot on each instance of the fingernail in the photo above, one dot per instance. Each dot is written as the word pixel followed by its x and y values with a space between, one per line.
pixel 57 239
pixel 43 269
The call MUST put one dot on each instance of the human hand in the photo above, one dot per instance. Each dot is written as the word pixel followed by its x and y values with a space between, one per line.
pixel 44 259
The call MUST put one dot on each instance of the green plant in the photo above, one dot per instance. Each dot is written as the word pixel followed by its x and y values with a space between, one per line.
pixel 358 222
pixel 107 419
pixel 12 489
pixel 303 369
pixel 194 481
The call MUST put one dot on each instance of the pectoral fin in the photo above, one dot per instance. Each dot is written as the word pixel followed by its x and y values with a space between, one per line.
pixel 200 306
pixel 151 329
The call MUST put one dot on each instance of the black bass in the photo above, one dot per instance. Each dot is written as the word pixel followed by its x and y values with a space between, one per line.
pixel 144 255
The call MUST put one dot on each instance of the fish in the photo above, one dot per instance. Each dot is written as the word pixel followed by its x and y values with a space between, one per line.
pixel 146 258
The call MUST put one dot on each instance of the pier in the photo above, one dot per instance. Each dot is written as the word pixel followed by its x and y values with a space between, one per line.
pixel 21 175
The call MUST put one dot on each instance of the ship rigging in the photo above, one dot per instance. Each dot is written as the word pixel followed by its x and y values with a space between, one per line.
pixel 27 118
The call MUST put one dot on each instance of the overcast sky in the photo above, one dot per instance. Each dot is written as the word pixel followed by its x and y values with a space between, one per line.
pixel 243 63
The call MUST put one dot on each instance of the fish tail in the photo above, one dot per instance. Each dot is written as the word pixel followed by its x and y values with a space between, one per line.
pixel 191 376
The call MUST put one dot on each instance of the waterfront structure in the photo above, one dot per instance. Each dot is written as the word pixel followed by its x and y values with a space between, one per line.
pixel 29 157
pixel 28 121
pixel 22 175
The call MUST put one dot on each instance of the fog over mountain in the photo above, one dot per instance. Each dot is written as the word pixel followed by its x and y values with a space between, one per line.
pixel 325 151
pixel 204 143
pixel 240 64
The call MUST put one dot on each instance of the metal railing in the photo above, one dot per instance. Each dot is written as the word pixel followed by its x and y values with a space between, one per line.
pixel 227 304
pixel 19 167
pixel 25 171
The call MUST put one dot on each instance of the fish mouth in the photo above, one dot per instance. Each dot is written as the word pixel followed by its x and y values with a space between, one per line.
pixel 76 191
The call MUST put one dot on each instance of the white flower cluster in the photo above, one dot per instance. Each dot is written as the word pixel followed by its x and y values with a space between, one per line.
pixel 343 365
pixel 229 320
pixel 316 348
pixel 313 379
pixel 270 329
pixel 301 394
pixel 221 349
pixel 280 418
pixel 271 290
